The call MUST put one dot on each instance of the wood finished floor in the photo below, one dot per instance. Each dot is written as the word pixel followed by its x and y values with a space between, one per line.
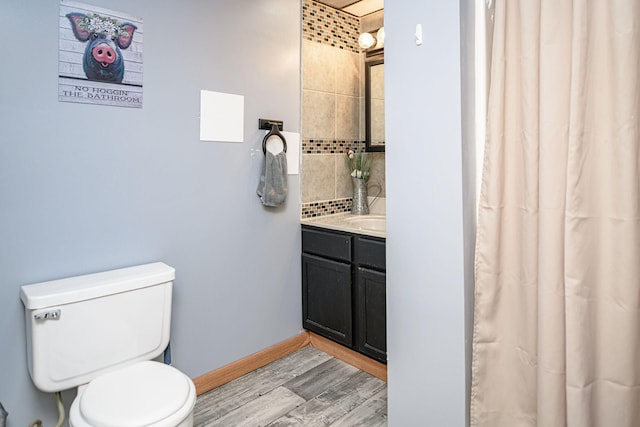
pixel 306 388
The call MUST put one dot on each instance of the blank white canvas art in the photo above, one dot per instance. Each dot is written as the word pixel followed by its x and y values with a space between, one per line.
pixel 221 117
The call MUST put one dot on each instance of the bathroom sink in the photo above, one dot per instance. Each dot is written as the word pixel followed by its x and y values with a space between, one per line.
pixel 368 222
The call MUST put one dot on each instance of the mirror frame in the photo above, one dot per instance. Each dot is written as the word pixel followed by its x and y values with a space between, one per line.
pixel 367 102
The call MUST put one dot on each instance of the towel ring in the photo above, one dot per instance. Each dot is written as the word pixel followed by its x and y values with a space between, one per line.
pixel 274 132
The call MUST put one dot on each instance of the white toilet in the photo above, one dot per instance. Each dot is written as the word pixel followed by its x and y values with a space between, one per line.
pixel 100 332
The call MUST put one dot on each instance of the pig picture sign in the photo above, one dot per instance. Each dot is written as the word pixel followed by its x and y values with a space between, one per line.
pixel 100 56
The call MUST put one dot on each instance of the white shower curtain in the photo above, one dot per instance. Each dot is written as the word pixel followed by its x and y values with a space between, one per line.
pixel 557 300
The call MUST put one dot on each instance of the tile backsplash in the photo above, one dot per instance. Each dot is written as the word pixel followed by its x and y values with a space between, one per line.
pixel 323 24
pixel 332 109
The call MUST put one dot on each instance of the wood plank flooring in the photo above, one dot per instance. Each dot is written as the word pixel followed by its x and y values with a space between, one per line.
pixel 306 388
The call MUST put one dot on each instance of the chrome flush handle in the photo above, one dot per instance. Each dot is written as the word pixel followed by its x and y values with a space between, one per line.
pixel 48 315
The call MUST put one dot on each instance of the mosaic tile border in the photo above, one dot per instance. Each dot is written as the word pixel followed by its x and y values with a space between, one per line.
pixel 329 146
pixel 327 207
pixel 326 25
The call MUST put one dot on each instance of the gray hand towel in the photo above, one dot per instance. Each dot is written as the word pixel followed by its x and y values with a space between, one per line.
pixel 272 187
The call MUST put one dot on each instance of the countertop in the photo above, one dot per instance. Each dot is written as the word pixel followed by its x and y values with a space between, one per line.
pixel 339 222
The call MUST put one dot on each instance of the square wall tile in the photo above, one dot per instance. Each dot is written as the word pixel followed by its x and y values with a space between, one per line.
pixel 318 67
pixel 318 177
pixel 318 115
pixel 378 174
pixel 347 117
pixel 347 72
pixel 344 186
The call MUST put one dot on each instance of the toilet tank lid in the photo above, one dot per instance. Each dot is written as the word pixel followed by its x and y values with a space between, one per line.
pixel 89 286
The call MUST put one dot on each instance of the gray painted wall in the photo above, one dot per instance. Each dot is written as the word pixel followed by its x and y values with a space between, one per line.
pixel 425 241
pixel 89 188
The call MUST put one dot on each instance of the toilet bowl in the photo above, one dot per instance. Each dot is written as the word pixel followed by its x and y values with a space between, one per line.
pixel 143 394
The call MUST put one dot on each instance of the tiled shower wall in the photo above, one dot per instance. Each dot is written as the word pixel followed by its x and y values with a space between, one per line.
pixel 332 110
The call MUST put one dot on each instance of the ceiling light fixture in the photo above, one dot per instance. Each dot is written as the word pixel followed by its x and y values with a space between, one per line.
pixel 368 40
pixel 380 36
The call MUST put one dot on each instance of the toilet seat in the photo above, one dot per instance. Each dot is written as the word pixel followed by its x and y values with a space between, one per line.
pixel 143 394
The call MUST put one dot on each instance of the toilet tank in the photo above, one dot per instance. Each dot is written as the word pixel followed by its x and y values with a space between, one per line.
pixel 80 327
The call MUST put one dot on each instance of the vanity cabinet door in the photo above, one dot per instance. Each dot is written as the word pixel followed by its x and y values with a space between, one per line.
pixel 372 313
pixel 326 298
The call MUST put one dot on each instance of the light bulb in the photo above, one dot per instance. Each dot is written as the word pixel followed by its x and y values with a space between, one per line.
pixel 366 40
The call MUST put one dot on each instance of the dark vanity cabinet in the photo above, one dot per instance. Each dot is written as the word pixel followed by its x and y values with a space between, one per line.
pixel 371 297
pixel 326 284
pixel 344 289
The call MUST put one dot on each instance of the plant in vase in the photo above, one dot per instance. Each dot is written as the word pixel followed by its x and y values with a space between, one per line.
pixel 360 167
pixel 359 164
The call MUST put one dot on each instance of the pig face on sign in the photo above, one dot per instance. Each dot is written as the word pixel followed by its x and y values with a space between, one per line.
pixel 102 59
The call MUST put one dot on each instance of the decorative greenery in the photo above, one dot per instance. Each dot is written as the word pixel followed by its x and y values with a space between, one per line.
pixel 103 25
pixel 359 164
